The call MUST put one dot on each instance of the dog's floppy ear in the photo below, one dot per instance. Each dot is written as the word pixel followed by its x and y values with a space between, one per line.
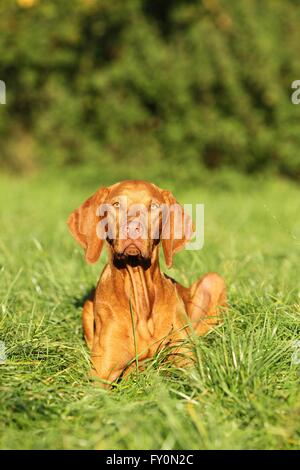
pixel 177 227
pixel 83 225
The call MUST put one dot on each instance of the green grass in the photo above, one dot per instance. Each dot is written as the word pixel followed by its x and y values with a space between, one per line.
pixel 244 389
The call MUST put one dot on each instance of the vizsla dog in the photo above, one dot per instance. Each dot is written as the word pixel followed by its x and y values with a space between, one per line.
pixel 136 309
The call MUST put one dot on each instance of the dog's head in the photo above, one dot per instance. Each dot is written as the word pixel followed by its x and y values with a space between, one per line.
pixel 133 217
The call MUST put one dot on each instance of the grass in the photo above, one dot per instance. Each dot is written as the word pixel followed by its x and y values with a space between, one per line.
pixel 243 392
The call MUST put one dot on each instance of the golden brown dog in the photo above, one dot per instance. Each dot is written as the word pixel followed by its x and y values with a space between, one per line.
pixel 137 309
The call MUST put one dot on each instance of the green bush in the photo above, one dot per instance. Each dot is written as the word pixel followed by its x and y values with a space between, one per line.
pixel 178 82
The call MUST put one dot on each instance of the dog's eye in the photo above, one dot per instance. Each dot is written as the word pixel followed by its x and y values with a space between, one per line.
pixel 154 205
pixel 116 204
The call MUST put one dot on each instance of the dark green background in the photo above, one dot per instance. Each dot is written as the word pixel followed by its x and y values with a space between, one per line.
pixel 170 85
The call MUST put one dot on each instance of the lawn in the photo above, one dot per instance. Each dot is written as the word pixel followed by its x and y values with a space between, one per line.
pixel 243 391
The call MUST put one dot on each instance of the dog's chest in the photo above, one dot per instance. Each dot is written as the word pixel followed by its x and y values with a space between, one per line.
pixel 156 313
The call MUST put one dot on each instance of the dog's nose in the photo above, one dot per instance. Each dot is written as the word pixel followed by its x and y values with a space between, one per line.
pixel 134 229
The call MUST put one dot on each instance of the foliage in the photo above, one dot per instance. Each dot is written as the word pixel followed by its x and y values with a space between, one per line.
pixel 171 82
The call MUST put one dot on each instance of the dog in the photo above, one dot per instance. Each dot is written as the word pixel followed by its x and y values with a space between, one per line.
pixel 136 309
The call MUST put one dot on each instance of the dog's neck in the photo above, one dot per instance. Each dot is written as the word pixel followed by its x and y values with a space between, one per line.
pixel 139 282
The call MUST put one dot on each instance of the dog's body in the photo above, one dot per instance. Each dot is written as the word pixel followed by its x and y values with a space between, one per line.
pixel 137 309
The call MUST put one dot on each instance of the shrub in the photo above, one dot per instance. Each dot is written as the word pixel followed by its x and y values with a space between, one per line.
pixel 200 82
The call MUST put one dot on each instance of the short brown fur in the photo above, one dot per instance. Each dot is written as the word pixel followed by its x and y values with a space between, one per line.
pixel 164 311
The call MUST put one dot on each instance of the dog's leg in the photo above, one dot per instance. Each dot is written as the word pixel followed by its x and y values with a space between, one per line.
pixel 106 381
pixel 204 301
pixel 113 348
pixel 88 322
